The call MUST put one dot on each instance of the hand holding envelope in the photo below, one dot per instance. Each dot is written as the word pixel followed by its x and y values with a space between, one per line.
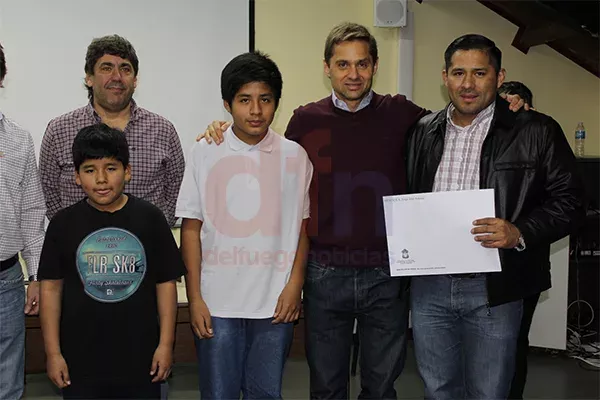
pixel 432 233
pixel 496 233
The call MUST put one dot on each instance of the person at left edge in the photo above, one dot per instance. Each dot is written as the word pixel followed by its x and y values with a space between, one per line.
pixel 22 212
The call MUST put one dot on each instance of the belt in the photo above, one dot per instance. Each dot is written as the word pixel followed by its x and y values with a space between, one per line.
pixel 465 276
pixel 6 264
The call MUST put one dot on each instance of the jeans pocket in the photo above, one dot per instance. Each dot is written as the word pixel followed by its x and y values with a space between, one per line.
pixel 315 271
pixel 383 272
pixel 11 278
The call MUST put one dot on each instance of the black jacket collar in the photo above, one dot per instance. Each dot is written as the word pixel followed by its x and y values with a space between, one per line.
pixel 503 117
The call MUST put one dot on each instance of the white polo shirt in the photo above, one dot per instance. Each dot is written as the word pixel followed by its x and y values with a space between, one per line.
pixel 252 200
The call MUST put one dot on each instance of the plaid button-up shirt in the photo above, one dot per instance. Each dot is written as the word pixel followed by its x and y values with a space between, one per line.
pixel 22 206
pixel 459 167
pixel 156 159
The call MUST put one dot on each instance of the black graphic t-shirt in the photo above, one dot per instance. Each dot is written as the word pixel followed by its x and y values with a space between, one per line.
pixel 110 264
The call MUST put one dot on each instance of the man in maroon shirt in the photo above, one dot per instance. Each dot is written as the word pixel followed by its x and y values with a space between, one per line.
pixel 355 139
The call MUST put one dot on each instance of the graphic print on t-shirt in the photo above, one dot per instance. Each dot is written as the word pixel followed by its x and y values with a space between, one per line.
pixel 111 263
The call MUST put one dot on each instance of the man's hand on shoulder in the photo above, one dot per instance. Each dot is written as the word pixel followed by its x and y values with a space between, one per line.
pixel 515 102
pixel 214 132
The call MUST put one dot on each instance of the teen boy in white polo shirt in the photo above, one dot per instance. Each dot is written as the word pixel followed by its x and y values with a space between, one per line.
pixel 245 207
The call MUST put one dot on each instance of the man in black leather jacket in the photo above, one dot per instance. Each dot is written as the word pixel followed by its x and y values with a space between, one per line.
pixel 465 327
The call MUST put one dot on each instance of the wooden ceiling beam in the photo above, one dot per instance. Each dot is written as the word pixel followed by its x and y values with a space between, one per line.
pixel 539 24
pixel 530 36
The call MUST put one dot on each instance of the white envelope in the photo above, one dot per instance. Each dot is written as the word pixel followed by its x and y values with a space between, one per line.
pixel 430 233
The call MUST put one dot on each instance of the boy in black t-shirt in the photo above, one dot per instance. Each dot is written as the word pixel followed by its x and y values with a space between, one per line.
pixel 108 271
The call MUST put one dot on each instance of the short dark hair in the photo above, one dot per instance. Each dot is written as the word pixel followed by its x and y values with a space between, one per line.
pixel 474 42
pixel 2 64
pixel 514 87
pixel 114 45
pixel 348 32
pixel 250 67
pixel 100 141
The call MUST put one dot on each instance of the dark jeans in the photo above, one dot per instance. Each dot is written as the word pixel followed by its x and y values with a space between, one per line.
pixel 333 298
pixel 244 356
pixel 111 391
pixel 464 348
pixel 518 382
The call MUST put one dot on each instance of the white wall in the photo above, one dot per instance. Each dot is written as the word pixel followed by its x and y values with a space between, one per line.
pixel 182 46
pixel 549 326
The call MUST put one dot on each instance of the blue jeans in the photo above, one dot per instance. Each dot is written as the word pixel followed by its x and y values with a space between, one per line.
pixel 464 348
pixel 333 298
pixel 12 333
pixel 245 356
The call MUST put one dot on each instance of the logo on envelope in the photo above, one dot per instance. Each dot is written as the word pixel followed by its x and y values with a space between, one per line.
pixel 404 258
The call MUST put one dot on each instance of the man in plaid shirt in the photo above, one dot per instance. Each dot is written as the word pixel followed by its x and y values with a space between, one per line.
pixel 21 231
pixel 466 326
pixel 111 68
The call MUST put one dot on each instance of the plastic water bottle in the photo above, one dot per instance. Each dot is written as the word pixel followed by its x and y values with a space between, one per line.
pixel 580 140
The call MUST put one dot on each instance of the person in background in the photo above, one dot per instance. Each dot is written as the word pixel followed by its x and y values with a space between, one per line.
pixel 530 302
pixel 466 326
pixel 518 88
pixel 22 212
pixel 111 69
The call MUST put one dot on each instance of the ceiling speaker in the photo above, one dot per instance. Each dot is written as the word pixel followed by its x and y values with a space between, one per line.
pixel 389 13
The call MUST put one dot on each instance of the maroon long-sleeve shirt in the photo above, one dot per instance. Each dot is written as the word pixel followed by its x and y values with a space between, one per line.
pixel 358 158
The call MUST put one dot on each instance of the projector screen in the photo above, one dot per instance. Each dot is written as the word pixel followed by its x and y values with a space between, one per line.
pixel 182 46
